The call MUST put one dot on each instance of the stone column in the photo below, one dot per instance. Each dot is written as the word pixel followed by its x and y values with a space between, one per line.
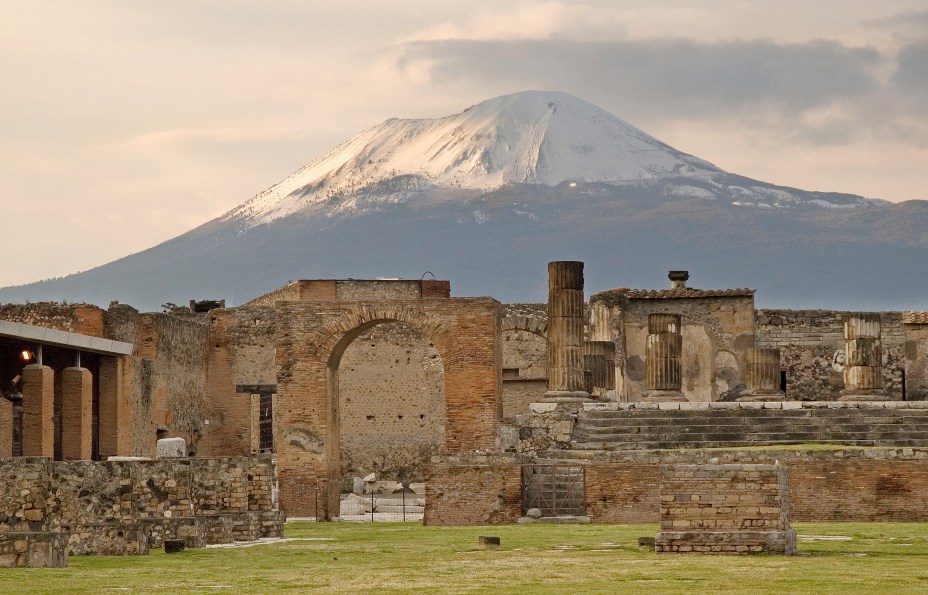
pixel 599 361
pixel 762 375
pixel 863 371
pixel 38 411
pixel 76 414
pixel 565 332
pixel 664 347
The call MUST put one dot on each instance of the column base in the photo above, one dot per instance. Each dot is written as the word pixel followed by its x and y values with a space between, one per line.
pixel 656 396
pixel 568 396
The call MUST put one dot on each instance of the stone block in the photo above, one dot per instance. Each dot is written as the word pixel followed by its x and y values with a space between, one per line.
pixel 171 448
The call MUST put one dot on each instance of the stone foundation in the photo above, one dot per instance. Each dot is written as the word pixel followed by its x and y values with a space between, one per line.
pixel 725 509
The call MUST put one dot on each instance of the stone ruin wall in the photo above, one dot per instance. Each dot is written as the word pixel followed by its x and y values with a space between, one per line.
pixel 811 344
pixel 167 374
pixel 716 333
pixel 391 404
pixel 241 349
pixel 852 484
pixel 126 507
pixel 915 350
pixel 525 357
pixel 72 318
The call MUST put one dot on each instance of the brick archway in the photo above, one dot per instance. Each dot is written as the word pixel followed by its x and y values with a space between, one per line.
pixel 312 337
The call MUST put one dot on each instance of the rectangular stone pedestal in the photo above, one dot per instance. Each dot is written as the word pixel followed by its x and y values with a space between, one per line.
pixel 725 509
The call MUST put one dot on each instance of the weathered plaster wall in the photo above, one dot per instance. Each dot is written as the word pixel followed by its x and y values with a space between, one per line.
pixel 915 351
pixel 716 333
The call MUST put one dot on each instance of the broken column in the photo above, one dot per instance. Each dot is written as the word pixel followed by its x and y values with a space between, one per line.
pixel 565 332
pixel 863 372
pixel 76 414
pixel 762 375
pixel 664 347
pixel 38 411
pixel 599 362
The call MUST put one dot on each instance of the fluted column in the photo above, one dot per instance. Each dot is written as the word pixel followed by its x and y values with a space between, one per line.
pixel 599 362
pixel 565 332
pixel 663 351
pixel 762 375
pixel 863 371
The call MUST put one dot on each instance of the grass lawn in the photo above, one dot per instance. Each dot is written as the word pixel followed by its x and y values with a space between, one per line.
pixel 392 557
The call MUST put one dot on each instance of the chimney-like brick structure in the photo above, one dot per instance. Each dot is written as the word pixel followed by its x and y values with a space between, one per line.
pixel 863 372
pixel 762 375
pixel 565 332
pixel 678 279
pixel 38 411
pixel 76 414
pixel 664 347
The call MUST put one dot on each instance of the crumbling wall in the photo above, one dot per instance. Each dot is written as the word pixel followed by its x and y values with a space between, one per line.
pixel 915 352
pixel 473 490
pixel 812 350
pixel 72 318
pixel 167 374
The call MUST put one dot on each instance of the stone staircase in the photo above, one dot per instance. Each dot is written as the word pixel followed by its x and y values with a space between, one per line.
pixel 653 428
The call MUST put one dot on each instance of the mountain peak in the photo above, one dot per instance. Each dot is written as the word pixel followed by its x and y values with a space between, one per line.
pixel 530 137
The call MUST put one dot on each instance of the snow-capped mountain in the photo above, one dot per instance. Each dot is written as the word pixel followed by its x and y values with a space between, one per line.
pixel 488 196
pixel 532 137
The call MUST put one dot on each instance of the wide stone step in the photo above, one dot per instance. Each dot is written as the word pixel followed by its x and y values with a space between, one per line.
pixel 605 446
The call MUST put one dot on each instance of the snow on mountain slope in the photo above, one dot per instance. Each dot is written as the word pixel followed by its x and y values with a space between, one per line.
pixel 532 137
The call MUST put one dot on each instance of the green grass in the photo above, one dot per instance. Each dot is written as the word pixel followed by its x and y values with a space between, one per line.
pixel 395 558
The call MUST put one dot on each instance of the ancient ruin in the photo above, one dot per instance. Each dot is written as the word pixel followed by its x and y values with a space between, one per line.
pixel 491 406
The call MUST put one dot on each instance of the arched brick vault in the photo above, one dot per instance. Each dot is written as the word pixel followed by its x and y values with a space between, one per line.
pixel 312 336
pixel 516 319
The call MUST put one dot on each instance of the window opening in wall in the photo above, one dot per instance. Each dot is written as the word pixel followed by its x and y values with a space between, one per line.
pixel 266 424
pixel 510 373
pixel 161 433
pixel 783 380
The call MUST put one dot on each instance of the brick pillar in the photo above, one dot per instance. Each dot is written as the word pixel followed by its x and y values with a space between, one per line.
pixel 6 428
pixel 762 373
pixel 863 371
pixel 565 332
pixel 38 411
pixel 115 419
pixel 76 414
pixel 663 350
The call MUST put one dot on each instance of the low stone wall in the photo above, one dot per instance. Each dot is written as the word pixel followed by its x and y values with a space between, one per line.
pixel 128 506
pixel 34 549
pixel 841 484
pixel 724 509
pixel 473 490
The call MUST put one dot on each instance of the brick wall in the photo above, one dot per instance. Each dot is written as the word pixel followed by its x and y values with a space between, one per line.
pixel 72 318
pixel 481 493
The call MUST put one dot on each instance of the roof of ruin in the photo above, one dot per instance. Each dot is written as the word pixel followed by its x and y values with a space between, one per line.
pixel 664 294
pixel 75 341
pixel 915 317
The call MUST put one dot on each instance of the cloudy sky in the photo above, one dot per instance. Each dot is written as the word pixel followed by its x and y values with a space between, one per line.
pixel 124 123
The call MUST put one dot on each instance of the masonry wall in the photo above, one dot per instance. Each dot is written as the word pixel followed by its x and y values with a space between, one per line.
pixel 72 318
pixel 716 333
pixel 391 404
pixel 166 375
pixel 101 504
pixel 473 491
pixel 240 351
pixel 812 351
pixel 525 370
pixel 312 338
